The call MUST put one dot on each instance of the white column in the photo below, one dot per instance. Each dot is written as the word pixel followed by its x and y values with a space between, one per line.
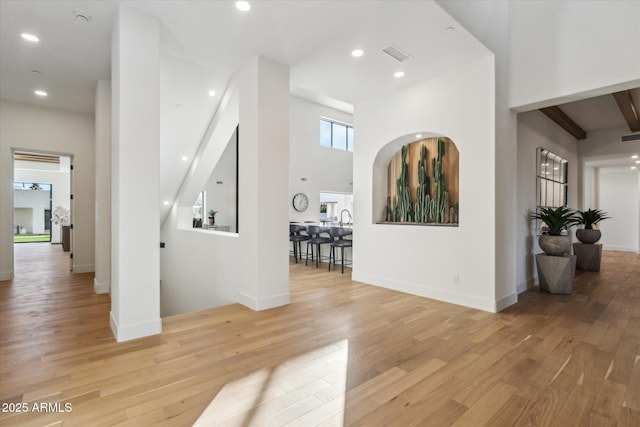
pixel 102 278
pixel 135 256
pixel 264 181
pixel 6 209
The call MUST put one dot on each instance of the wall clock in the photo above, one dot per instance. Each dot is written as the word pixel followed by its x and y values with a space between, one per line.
pixel 300 202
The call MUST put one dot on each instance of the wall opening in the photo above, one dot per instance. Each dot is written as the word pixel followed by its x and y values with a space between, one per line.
pixel 422 186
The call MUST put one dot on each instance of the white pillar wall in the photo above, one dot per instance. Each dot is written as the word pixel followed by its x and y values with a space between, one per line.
pixel 264 194
pixel 102 278
pixel 135 253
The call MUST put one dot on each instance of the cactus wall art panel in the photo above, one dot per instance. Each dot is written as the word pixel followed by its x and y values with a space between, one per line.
pixel 422 186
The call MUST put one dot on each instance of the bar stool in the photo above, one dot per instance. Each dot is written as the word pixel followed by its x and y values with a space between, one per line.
pixel 297 235
pixel 316 238
pixel 338 241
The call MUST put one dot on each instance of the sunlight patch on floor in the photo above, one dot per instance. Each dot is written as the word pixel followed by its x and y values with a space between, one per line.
pixel 308 390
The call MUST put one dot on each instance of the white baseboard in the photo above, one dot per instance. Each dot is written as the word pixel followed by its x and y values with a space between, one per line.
pixel 619 248
pixel 86 268
pixel 437 294
pixel 529 284
pixel 101 288
pixel 263 303
pixel 6 275
pixel 134 330
pixel 506 301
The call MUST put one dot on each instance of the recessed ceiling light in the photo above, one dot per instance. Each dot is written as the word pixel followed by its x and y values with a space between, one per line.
pixel 633 167
pixel 40 93
pixel 357 53
pixel 244 6
pixel 166 202
pixel 556 168
pixel 635 156
pixel 212 93
pixel 185 158
pixel 637 162
pixel 30 37
pixel 398 74
pixel 419 135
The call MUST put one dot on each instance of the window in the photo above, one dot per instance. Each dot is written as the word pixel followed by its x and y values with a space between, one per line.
pixel 551 181
pixel 551 177
pixel 336 135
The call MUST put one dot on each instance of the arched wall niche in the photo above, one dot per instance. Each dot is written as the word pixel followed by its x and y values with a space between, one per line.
pixel 404 195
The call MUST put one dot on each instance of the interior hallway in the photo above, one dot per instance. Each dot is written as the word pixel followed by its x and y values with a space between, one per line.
pixel 340 353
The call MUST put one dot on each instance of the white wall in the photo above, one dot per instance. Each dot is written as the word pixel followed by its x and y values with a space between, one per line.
pixel 35 201
pixel 425 260
pixel 599 149
pixel 135 188
pixel 545 52
pixel 60 190
pixel 325 169
pixel 22 219
pixel 537 130
pixel 619 196
pixel 102 279
pixel 30 128
pixel 563 48
pixel 488 21
pixel 202 269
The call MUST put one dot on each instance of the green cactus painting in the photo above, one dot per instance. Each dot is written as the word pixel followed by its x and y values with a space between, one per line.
pixel 432 201
pixel 404 203
pixel 421 209
pixel 439 185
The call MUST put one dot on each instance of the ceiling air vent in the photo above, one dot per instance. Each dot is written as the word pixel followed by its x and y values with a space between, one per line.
pixel 396 53
pixel 630 137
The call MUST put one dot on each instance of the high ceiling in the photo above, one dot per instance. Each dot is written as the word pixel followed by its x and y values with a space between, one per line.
pixel 203 42
pixel 314 38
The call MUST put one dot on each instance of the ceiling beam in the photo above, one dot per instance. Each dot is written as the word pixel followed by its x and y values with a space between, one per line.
pixel 628 109
pixel 564 121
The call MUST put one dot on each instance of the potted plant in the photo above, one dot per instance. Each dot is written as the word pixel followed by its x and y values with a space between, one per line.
pixel 212 216
pixel 551 241
pixel 589 218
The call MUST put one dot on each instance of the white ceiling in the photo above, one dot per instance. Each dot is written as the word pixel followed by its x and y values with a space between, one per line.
pixel 203 42
pixel 599 112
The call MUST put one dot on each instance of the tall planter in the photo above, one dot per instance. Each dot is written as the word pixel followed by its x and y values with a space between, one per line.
pixel 66 238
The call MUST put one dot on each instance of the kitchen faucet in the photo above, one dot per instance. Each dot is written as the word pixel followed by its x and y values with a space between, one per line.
pixel 350 217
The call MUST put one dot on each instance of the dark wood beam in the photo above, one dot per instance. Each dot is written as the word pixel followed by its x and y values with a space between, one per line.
pixel 628 109
pixel 564 121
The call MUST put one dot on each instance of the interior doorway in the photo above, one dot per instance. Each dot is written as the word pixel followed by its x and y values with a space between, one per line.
pixel 31 212
pixel 42 204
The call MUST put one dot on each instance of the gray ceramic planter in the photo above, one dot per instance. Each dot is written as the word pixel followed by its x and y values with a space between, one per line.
pixel 589 237
pixel 554 245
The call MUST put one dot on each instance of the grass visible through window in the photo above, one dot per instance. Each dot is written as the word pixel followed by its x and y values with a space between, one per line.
pixel 30 238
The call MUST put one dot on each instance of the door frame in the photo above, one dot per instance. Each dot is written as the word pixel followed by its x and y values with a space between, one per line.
pixel 71 156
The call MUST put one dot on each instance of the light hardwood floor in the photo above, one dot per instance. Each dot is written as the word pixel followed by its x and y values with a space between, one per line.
pixel 342 353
